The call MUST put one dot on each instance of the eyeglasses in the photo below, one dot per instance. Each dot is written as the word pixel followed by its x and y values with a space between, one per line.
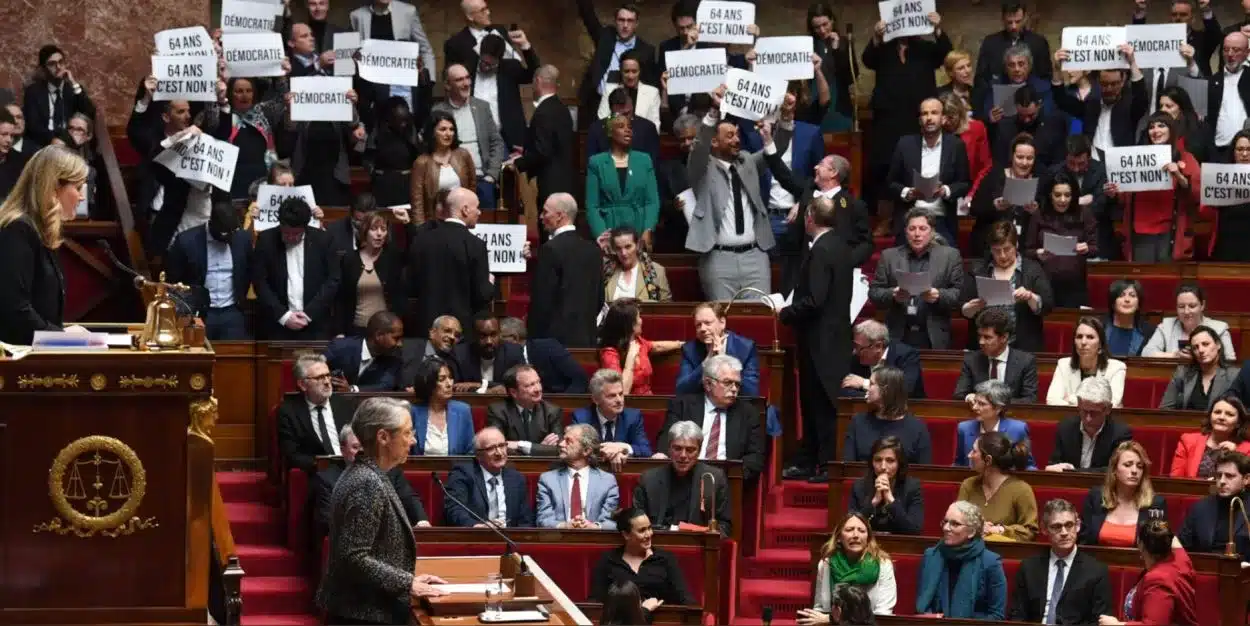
pixel 498 446
pixel 319 379
pixel 1064 527
pixel 729 384
pixel 950 523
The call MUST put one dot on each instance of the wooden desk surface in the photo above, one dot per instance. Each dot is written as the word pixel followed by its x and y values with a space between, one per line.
pixel 464 608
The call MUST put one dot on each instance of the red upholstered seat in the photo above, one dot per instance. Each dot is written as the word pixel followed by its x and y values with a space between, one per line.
pixel 1042 441
pixel 1223 294
pixel 942 441
pixel 940 384
pixel 1160 292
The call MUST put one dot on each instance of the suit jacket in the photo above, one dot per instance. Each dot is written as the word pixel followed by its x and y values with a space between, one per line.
pixel 298 439
pixel 566 293
pixel 646 139
pixel 946 269
pixel 646 105
pixel 1197 533
pixel 1125 113
pixel 466 483
pixel 629 428
pixel 604 38
pixel 1094 515
pixel 953 173
pixel 640 289
pixel 489 141
pixel 37 111
pixel 1189 452
pixel 469 364
pixel 1086 591
pixel 459 428
pixel 1030 335
pixel 1187 378
pixel 1021 375
pixel 372 549
pixel 32 294
pixel 145 131
pixel 323 489
pixel 547 419
pixel 900 356
pixel 820 312
pixel 321 281
pixel 694 352
pixel 187 263
pixel 602 498
pixel 549 147
pixel 1068 443
pixel 449 274
pixel 381 374
pixel 713 191
pixel 743 428
pixel 389 268
pixel 508 80
pixel 967 432
pixel 411 356
pixel 654 488
pixel 1049 135
pixel 609 205
pixel 558 369
pixel 405 23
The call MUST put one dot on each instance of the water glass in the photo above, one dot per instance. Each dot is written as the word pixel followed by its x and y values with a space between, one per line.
pixel 494 596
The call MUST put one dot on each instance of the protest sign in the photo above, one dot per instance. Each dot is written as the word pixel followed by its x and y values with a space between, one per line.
pixel 345 47
pixel 505 243
pixel 1225 184
pixel 785 58
pixel 1157 45
pixel 203 159
pixel 192 40
pixel 321 99
pixel 253 54
pixel 905 18
pixel 1139 168
pixel 270 197
pixel 701 70
pixel 751 96
pixel 241 16
pixel 1091 48
pixel 725 22
pixel 390 62
pixel 190 78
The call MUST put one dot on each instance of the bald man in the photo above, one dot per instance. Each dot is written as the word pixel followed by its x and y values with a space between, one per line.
pixel 933 154
pixel 450 269
pixel 550 139
pixel 1229 112
pixel 476 129
pixel 465 46
pixel 566 293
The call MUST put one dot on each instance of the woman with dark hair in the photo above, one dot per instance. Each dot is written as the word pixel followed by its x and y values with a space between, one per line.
pixel 990 207
pixel 1111 510
pixel 1230 228
pixel 1169 341
pixel 1227 427
pixel 887 416
pixel 1090 358
pixel 623 348
pixel 1034 298
pixel 1166 594
pixel 852 557
pixel 654 571
pixel 623 606
pixel 628 271
pixel 1157 224
pixel 392 150
pixel 646 98
pixel 1007 503
pixel 1192 134
pixel 1195 386
pixel 621 185
pixel 886 496
pixel 839 68
pixel 1126 324
pixel 1062 216
pixel 442 426
pixel 443 164
pixel 371 276
pixel 251 121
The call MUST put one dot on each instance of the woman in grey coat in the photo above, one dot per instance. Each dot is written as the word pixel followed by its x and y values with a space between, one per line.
pixel 1196 386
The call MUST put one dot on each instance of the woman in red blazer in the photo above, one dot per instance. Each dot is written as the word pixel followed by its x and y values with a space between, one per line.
pixel 1226 428
pixel 976 138
pixel 1166 594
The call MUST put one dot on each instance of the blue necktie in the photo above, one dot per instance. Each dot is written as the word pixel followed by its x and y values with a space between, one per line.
pixel 1057 589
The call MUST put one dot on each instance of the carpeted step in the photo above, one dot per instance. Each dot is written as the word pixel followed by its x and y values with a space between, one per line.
pixel 777 564
pixel 284 620
pixel 755 621
pixel 795 528
pixel 242 486
pixel 804 495
pixel 277 595
pixel 253 523
pixel 785 597
pixel 269 560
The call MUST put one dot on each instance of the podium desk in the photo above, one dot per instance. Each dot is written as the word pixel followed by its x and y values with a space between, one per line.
pixel 464 608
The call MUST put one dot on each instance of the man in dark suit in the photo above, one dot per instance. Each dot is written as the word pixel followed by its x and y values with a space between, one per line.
pixel 295 255
pixel 532 426
pixel 323 487
pixel 672 178
pixel 53 97
pixel 498 79
pixel 222 251
pixel 1206 524
pixel 550 140
pixel 556 367
pixel 684 480
pixel 1086 441
pixel 605 66
pixel 449 266
pixel 1090 177
pixel 464 47
pixel 1048 129
pixel 1065 585
pixel 440 341
pixel 369 363
pixel 1205 42
pixel 820 314
pixel 161 197
pixel 991 66
pixel 309 421
pixel 932 153
pixel 873 348
pixel 620 429
pixel 481 363
pixel 732 428
pixel 11 161
pixel 995 359
pixel 323 30
pixel 1126 109
pixel 567 290
pixel 684 14
pixel 646 135
pixel 489 487
pixel 1223 120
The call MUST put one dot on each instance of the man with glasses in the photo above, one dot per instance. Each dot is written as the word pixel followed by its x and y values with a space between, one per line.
pixel 733 428
pixel 871 348
pixel 489 487
pixel 53 98
pixel 1065 585
pixel 309 421
pixel 611 41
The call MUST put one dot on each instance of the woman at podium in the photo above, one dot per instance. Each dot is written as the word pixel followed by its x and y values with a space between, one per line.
pixel 32 288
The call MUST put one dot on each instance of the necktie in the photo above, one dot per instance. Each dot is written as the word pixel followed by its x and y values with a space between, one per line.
pixel 1052 607
pixel 527 421
pixel 609 429
pixel 323 432
pixel 1163 81
pixel 993 369
pixel 492 511
pixel 575 501
pixel 58 110
pixel 713 438
pixel 740 220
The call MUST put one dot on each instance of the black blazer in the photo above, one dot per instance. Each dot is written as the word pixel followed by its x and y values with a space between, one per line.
pixel 1198 532
pixel 1086 591
pixel 390 269
pixel 343 354
pixel 1215 89
pixel 509 78
pixel 1091 182
pixel 1021 375
pixel 469 365
pixel 566 292
pixel 32 288
pixel 1049 133
pixel 654 488
pixel 298 439
pixel 1125 114
pixel 1093 515
pixel 744 432
pixel 604 36
pixel 323 488
pixel 460 48
pixel 321 282
pixel 411 356
pixel 449 273
pixel 820 312
pixel 953 173
pixel 900 356
pixel 187 263
pixel 548 418
pixel 1068 443
pixel 37 111
pixel 145 131
pixel 1029 325
pixel 558 369
pixel 904 517
pixel 549 148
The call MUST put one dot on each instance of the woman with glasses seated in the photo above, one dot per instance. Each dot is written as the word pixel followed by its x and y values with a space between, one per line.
pixel 442 426
pixel 852 557
pixel 960 578
pixel 887 415
pixel 886 496
pixel 1109 515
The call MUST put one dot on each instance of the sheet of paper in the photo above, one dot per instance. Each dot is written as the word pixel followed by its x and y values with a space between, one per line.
pixel 1059 245
pixel 859 293
pixel 995 292
pixel 505 617
pixel 1005 98
pixel 688 202
pixel 469 587
pixel 924 186
pixel 1020 191
pixel 915 283
pixel 778 301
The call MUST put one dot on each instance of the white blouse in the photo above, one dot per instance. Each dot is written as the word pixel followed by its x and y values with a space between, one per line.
pixel 883 595
pixel 435 440
pixel 626 284
pixel 447 177
pixel 1062 390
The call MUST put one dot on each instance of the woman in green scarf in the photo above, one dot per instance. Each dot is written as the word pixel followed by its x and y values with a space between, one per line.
pixel 852 557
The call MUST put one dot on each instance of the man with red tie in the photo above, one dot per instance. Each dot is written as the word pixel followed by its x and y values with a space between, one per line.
pixel 579 494
pixel 734 429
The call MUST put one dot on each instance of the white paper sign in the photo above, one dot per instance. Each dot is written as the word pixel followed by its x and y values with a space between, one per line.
pixel 859 293
pixel 914 283
pixel 751 96
pixel 1225 184
pixel 345 47
pixel 190 78
pixel 1139 168
pixel 1059 245
pixel 253 54
pixel 241 16
pixel 270 197
pixel 995 292
pixel 321 99
pixel 725 22
pixel 504 243
pixel 390 62
pixel 905 18
pixel 203 159
pixel 1020 191
pixel 785 58
pixel 1094 48
pixel 192 40
pixel 1157 45
pixel 1005 98
pixel 701 70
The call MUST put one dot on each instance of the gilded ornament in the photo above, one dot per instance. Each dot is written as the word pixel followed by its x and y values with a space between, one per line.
pixel 148 382
pixel 87 504
pixel 99 382
pixel 198 381
pixel 64 381
pixel 203 418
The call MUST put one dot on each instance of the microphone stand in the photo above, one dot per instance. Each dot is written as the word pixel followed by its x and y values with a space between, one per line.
pixel 713 524
pixel 512 564
pixel 767 301
pixel 1230 548
pixel 140 281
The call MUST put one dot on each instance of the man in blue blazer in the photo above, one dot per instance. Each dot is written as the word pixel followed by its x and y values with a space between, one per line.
pixel 621 429
pixel 873 348
pixel 223 249
pixel 368 363
pixel 556 367
pixel 598 494
pixel 488 486
pixel 711 338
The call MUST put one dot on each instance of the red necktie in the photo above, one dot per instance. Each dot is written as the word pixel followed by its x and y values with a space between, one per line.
pixel 575 506
pixel 713 439
pixel 994 369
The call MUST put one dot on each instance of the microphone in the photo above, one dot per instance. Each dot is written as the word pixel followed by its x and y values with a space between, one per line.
pixel 513 549
pixel 767 616
pixel 139 280
pixel 713 523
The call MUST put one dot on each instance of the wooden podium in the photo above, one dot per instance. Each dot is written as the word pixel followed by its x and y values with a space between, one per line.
pixel 105 487
pixel 462 609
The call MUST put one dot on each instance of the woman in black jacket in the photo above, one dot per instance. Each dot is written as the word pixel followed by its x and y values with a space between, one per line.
pixel 886 496
pixel 989 205
pixel 372 276
pixel 1127 327
pixel 1033 297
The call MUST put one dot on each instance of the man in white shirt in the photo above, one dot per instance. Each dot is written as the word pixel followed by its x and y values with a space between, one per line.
pixel 309 421
pixel 732 427
pixel 997 361
pixel 1228 93
pixel 1065 585
pixel 577 495
pixel 296 276
pixel 482 363
pixel 476 129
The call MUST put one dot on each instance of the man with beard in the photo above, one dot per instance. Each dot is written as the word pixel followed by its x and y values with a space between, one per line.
pixel 1206 525
pixel 441 340
pixel 482 363
pixel 53 97
pixel 214 262
pixel 369 363
pixel 1048 129
pixel 932 153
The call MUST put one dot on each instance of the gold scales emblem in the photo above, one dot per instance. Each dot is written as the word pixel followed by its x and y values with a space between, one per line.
pixel 96 484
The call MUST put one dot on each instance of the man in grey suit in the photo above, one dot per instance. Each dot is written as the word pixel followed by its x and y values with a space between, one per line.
pixel 920 320
pixel 405 25
pixel 579 494
pixel 476 129
pixel 729 223
pixel 531 425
